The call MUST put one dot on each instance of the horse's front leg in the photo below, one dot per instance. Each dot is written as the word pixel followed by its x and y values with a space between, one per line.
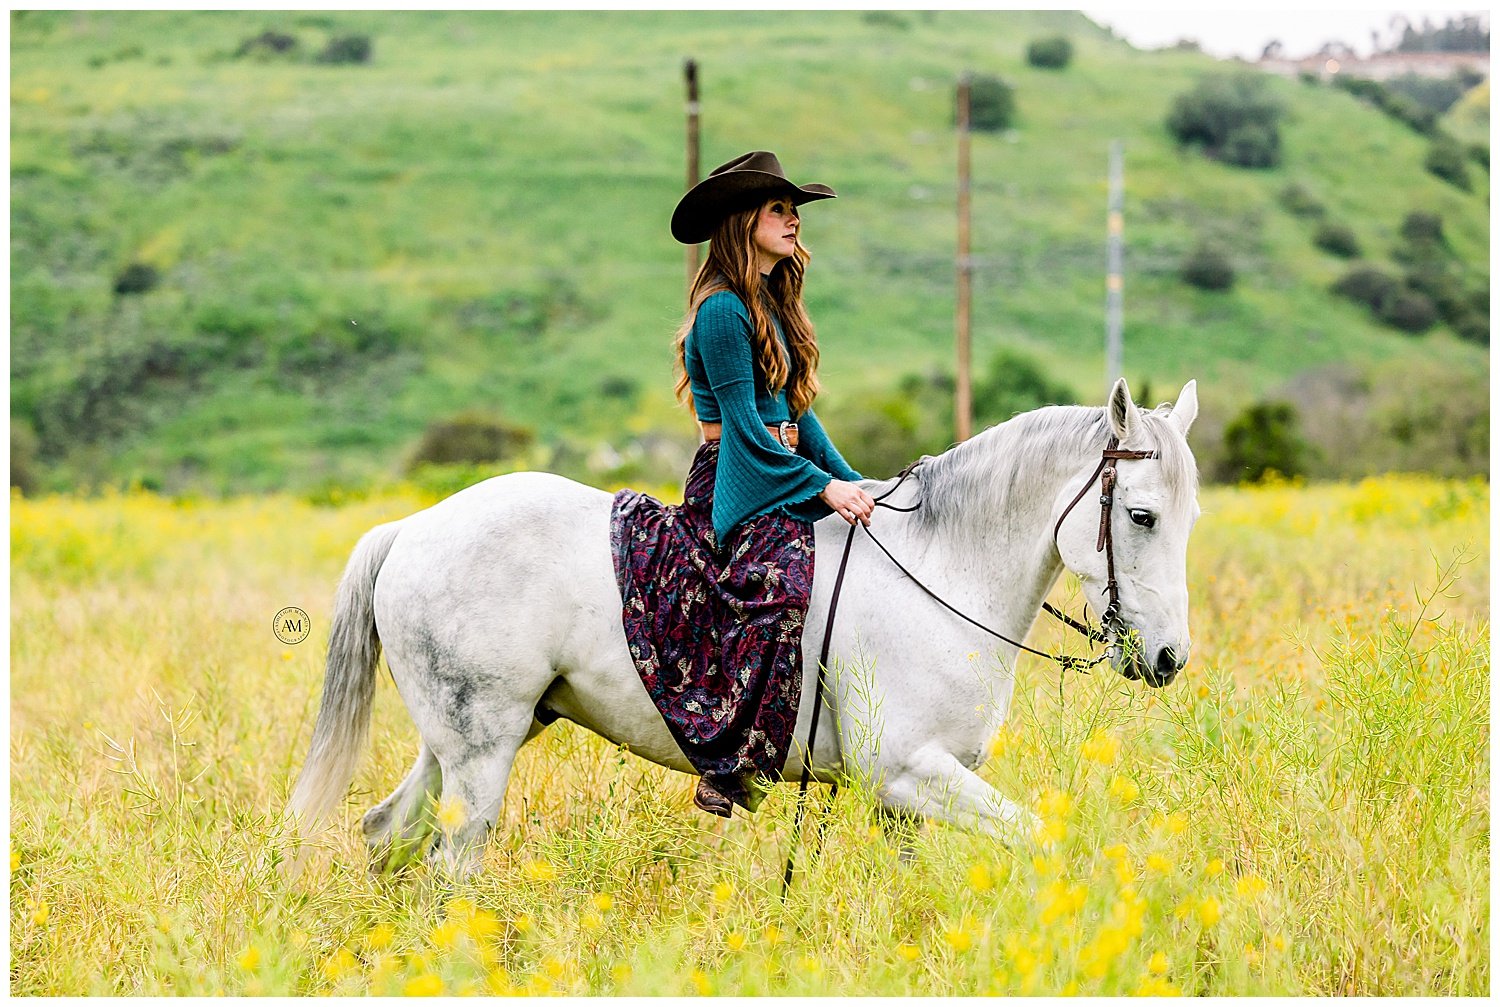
pixel 932 782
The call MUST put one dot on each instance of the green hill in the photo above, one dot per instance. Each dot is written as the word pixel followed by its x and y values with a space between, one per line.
pixel 478 217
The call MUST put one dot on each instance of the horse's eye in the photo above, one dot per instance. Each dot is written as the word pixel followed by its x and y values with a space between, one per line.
pixel 1144 518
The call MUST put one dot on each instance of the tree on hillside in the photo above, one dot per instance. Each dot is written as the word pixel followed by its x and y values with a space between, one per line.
pixel 1232 117
pixel 1468 33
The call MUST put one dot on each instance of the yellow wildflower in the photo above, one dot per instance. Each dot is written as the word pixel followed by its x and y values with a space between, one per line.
pixel 1158 864
pixel 1070 990
pixel 735 941
pixel 539 985
pixel 1103 748
pixel 1052 830
pixel 959 938
pixel 979 877
pixel 425 985
pixel 554 966
pixel 1215 867
pixel 540 870
pixel 461 909
pixel 445 935
pixel 772 935
pixel 591 920
pixel 1000 743
pixel 1278 942
pixel 15 861
pixel 1152 986
pixel 524 923
pixel 1252 956
pixel 1116 852
pixel 723 892
pixel 1249 886
pixel 1124 789
pixel 482 923
pixel 1047 866
pixel 498 983
pixel 1054 804
pixel 909 951
pixel 619 973
pixel 248 959
pixel 1209 911
pixel 1158 964
pixel 451 814
pixel 810 965
pixel 604 902
pixel 380 936
pixel 339 964
pixel 701 983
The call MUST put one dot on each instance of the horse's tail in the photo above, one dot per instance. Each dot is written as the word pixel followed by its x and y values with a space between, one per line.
pixel 348 685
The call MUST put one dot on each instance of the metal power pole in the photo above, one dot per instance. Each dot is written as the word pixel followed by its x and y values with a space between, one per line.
pixel 690 74
pixel 963 396
pixel 1114 283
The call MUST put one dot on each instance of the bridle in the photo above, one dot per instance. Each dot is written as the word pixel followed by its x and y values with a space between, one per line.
pixel 1105 473
pixel 1109 621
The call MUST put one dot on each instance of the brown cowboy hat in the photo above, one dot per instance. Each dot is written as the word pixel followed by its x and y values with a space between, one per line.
pixel 737 185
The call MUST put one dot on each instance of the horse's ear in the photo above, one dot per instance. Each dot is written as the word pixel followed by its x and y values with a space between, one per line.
pixel 1186 408
pixel 1124 416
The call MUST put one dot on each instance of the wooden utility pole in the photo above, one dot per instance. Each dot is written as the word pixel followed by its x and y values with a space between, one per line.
pixel 963 396
pixel 690 74
pixel 1114 282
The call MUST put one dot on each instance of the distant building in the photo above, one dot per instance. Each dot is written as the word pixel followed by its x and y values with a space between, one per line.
pixel 1381 66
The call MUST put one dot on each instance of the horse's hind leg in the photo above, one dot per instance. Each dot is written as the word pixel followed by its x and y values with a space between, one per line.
pixel 400 828
pixel 474 784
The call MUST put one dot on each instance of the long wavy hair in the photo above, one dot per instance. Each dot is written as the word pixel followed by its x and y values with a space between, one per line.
pixel 732 265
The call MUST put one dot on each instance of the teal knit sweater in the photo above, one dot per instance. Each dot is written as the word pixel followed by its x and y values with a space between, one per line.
pixel 756 475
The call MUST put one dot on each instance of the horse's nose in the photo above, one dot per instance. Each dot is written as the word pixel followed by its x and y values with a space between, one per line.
pixel 1168 663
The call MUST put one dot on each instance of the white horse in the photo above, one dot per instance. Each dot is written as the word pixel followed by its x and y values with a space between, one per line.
pixel 499 612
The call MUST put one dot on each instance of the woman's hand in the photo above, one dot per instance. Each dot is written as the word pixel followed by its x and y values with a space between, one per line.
pixel 848 501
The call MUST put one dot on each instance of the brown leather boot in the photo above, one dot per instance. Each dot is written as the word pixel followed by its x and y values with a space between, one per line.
pixel 707 798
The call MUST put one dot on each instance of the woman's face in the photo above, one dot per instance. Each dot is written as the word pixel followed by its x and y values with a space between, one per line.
pixel 776 228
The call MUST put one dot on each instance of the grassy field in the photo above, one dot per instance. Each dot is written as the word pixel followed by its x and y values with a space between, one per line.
pixel 478 218
pixel 1305 811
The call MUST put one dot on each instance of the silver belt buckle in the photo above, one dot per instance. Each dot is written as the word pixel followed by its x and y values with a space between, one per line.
pixel 781 434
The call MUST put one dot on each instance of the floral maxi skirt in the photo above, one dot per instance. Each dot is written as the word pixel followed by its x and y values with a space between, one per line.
pixel 716 633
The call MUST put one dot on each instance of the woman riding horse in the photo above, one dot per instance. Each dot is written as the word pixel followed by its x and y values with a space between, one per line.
pixel 715 591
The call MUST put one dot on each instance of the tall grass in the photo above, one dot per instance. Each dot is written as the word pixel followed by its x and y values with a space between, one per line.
pixel 1303 812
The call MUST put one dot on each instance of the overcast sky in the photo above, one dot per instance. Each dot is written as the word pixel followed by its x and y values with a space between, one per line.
pixel 1245 33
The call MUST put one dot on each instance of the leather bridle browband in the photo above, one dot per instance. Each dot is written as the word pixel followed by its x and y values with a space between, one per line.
pixel 1105 472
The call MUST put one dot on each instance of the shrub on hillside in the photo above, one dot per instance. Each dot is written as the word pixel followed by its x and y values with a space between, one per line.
pixel 992 104
pixel 1473 328
pixel 1366 285
pixel 267 44
pixel 23 451
pixel 1299 201
pixel 1479 153
pixel 1207 267
pixel 1420 227
pixel 1336 239
pixel 881 433
pixel 1261 440
pixel 136 278
pixel 1435 94
pixel 1408 310
pixel 1233 118
pixel 1052 53
pixel 472 437
pixel 1446 161
pixel 346 49
pixel 1397 106
pixel 1014 383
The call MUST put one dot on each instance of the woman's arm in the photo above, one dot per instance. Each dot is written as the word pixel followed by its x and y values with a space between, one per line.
pixel 813 442
pixel 755 473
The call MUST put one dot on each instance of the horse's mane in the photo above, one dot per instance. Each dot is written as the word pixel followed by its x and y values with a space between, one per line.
pixel 988 469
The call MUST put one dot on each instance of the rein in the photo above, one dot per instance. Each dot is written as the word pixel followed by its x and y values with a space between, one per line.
pixel 1105 472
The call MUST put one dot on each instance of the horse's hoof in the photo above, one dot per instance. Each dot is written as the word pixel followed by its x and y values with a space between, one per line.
pixel 706 798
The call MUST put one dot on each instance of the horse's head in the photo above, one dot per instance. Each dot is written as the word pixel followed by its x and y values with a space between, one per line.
pixel 1150 511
